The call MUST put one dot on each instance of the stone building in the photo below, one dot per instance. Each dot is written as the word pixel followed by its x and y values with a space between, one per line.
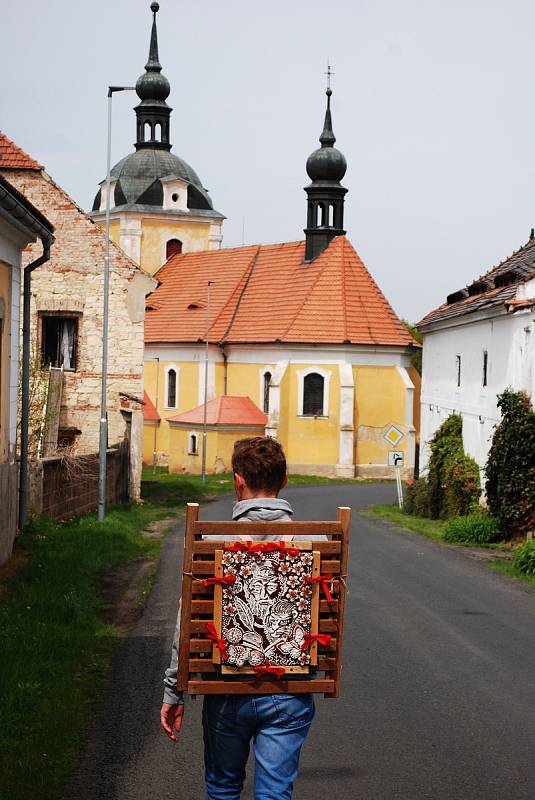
pixel 66 318
pixel 20 224
pixel 302 330
pixel 476 344
pixel 159 205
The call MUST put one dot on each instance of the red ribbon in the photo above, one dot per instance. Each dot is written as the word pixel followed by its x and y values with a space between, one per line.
pixel 220 643
pixel 322 580
pixel 321 638
pixel 263 547
pixel 226 581
pixel 266 670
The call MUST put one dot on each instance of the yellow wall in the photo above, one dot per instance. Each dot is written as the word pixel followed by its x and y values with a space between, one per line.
pixel 312 440
pixel 5 295
pixel 416 378
pixel 219 447
pixel 379 401
pixel 155 234
pixel 114 231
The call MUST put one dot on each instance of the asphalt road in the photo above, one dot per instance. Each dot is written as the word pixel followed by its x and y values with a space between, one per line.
pixel 438 694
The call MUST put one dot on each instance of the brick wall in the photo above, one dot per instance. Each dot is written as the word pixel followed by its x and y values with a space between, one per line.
pixel 72 283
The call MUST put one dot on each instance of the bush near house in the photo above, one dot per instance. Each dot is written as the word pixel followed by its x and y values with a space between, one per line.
pixel 479 528
pixel 453 476
pixel 524 558
pixel 510 469
pixel 417 496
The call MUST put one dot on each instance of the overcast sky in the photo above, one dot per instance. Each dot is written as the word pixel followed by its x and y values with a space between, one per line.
pixel 433 107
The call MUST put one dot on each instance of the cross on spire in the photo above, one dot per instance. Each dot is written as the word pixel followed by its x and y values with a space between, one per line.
pixel 329 73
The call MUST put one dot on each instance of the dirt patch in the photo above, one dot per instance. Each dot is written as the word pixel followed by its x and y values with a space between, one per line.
pixel 124 591
pixel 482 554
pixel 155 530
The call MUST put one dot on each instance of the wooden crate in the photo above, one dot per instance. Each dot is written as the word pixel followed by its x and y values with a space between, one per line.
pixel 197 674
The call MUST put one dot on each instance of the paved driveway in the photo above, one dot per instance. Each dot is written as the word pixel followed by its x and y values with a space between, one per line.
pixel 438 694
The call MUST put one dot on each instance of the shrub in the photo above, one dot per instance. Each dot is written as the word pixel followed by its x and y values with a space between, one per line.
pixel 479 528
pixel 510 469
pixel 524 558
pixel 416 499
pixel 454 485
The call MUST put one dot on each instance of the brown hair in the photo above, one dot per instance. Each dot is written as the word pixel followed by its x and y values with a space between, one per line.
pixel 261 463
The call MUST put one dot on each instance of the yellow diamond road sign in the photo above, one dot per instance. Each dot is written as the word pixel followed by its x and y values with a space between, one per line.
pixel 393 435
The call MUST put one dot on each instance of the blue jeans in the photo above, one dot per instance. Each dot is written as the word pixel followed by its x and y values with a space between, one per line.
pixel 277 724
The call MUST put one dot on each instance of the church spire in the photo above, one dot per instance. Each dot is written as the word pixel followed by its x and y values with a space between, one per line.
pixel 153 90
pixel 326 167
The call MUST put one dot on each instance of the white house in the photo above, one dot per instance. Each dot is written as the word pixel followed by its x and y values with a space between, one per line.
pixel 478 343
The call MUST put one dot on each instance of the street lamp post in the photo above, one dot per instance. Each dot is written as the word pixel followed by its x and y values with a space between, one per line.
pixel 203 467
pixel 103 439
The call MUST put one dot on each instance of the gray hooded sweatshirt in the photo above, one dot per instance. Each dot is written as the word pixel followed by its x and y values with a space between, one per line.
pixel 264 509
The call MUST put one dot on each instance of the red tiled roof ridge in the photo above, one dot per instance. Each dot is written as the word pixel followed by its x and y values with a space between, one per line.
pixel 243 282
pixel 222 410
pixel 16 157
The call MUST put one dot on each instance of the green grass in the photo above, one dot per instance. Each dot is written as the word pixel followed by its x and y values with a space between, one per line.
pixel 431 528
pixel 55 650
pixel 507 568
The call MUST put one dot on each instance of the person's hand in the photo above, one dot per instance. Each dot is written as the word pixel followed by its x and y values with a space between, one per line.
pixel 171 717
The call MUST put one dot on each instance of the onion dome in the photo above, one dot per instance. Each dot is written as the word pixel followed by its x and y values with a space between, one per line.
pixel 327 163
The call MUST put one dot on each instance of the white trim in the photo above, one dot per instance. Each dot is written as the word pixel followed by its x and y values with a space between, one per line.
pixel 275 399
pixel 261 373
pixel 345 466
pixel 210 395
pixel 168 368
pixel 301 375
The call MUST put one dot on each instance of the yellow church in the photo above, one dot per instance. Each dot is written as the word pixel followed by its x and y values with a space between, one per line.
pixel 291 340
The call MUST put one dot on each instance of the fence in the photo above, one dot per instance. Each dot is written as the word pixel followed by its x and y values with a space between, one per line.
pixel 9 498
pixel 63 488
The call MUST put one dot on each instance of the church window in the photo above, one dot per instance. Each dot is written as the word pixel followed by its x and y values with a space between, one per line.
pixel 193 444
pixel 59 342
pixel 267 380
pixel 174 246
pixel 147 132
pixel 158 131
pixel 174 197
pixel 170 394
pixel 313 385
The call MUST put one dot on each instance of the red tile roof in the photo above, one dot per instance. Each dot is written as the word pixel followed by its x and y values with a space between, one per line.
pixel 150 413
pixel 228 411
pixel 12 157
pixel 265 293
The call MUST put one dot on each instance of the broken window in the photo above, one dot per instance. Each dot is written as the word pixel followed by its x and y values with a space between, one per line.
pixel 60 342
pixel 313 395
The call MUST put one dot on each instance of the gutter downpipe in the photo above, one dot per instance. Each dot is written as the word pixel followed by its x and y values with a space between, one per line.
pixel 225 366
pixel 25 413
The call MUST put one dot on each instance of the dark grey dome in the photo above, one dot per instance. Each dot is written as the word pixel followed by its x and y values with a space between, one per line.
pixel 153 86
pixel 326 164
pixel 139 177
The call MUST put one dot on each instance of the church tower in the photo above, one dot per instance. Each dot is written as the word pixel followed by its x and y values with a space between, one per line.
pixel 326 167
pixel 159 205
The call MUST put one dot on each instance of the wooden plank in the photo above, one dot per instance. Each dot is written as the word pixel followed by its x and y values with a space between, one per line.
pixel 206 548
pixel 218 604
pixel 235 530
pixel 202 607
pixel 261 687
pixel 344 517
pixel 205 665
pixel 192 514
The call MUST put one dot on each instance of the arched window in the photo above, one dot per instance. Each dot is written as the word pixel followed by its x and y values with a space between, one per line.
pixel 158 131
pixel 313 395
pixel 173 247
pixel 267 380
pixel 171 388
pixel 147 132
pixel 193 448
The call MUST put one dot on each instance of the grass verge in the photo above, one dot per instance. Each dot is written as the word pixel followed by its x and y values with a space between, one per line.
pixel 506 568
pixel 430 528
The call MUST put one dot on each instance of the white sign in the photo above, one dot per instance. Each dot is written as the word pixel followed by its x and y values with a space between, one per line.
pixel 393 436
pixel 395 458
